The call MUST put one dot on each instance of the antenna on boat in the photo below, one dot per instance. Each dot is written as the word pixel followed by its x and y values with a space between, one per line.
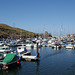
pixel 13 30
pixel 20 34
pixel 61 29
pixel 53 30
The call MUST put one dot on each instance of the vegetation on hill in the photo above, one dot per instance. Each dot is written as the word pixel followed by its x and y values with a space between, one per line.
pixel 8 31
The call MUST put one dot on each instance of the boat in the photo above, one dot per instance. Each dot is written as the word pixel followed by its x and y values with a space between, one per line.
pixel 22 51
pixel 2 43
pixel 69 46
pixel 49 43
pixel 74 46
pixel 29 45
pixel 12 44
pixel 44 44
pixel 39 45
pixel 1 56
pixel 10 61
pixel 56 45
pixel 52 43
pixel 25 54
pixel 4 49
pixel 30 58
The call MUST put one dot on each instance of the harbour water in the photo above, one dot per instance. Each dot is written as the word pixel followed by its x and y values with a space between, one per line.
pixel 52 62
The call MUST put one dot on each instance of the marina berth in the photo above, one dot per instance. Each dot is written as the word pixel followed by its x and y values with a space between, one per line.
pixel 10 61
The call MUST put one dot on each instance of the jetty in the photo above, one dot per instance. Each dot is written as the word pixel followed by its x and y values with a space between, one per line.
pixel 30 57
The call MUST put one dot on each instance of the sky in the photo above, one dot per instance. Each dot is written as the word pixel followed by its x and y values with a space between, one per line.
pixel 54 16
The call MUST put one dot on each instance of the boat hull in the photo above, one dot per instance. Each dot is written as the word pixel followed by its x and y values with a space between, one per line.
pixel 5 66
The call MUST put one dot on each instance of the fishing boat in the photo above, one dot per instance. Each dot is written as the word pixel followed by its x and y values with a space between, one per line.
pixel 10 61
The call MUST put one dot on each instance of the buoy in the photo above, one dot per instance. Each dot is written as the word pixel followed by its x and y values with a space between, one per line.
pixel 6 67
pixel 18 62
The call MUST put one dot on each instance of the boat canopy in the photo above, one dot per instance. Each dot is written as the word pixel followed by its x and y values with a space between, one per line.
pixel 9 58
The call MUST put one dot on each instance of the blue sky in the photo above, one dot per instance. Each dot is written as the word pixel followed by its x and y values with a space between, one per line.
pixel 55 16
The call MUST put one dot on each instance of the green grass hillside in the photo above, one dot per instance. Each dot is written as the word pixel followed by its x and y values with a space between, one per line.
pixel 8 31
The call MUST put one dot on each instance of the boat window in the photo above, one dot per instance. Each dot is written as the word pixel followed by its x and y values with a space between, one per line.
pixel 19 48
pixel 3 48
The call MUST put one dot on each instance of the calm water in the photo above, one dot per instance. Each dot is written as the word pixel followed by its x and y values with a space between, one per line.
pixel 52 62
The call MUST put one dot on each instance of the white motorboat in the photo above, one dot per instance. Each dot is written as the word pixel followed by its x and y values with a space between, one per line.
pixel 56 45
pixel 5 49
pixel 23 51
pixel 69 46
pixel 29 45
pixel 49 43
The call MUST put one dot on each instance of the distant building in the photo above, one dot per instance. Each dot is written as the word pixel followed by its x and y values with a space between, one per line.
pixel 46 35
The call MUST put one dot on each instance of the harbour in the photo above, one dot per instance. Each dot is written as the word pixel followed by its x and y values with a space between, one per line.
pixel 37 37
pixel 52 62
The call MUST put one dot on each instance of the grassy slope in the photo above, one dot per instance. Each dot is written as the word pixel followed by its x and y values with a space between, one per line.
pixel 8 31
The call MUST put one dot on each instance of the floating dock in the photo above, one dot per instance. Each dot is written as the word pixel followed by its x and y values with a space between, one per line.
pixel 30 58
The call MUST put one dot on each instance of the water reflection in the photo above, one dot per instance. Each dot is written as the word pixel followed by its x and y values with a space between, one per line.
pixel 56 48
pixel 37 66
pixel 69 49
pixel 11 71
pixel 52 62
pixel 30 68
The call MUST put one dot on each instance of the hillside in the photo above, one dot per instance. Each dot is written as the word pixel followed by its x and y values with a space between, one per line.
pixel 8 31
